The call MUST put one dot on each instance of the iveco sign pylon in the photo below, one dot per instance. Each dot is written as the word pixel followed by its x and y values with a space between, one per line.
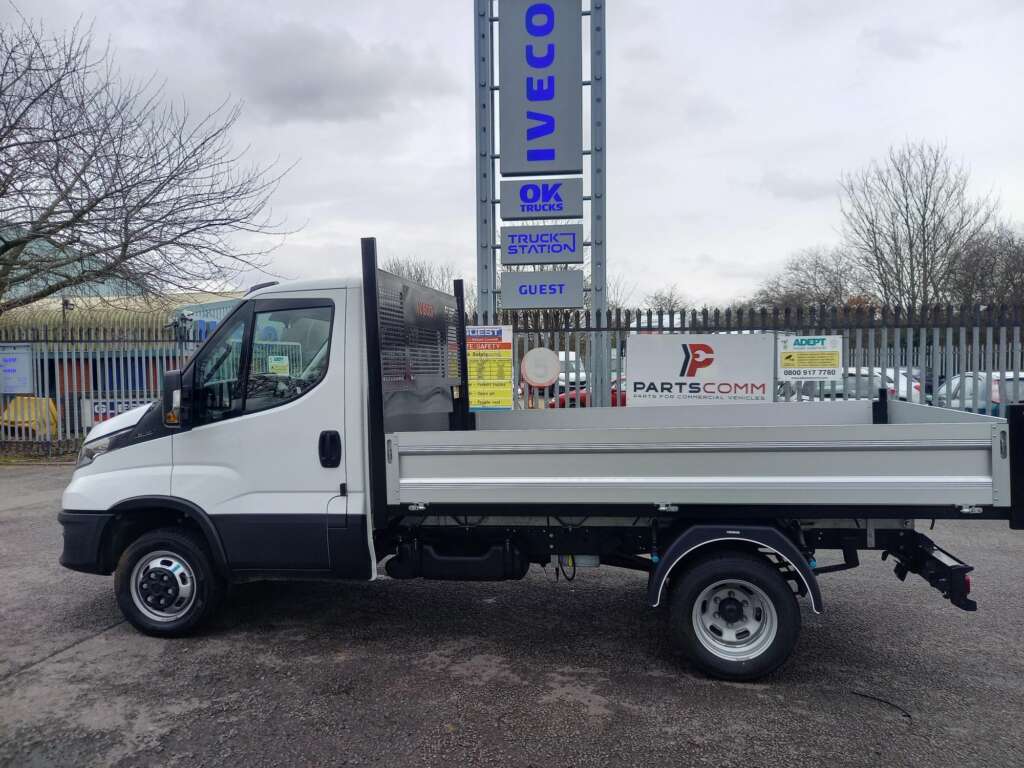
pixel 540 90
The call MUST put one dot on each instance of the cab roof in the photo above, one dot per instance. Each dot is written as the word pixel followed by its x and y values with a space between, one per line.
pixel 318 284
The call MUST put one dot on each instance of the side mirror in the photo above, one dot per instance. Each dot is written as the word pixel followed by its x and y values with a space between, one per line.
pixel 172 399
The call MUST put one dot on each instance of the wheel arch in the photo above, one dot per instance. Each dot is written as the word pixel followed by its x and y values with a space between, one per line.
pixel 699 540
pixel 140 514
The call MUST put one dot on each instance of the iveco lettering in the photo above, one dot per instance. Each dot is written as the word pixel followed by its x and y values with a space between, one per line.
pixel 541 74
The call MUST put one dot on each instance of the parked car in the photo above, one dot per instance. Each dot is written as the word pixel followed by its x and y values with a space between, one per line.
pixel 573 372
pixel 862 383
pixel 959 392
pixel 909 384
pixel 578 398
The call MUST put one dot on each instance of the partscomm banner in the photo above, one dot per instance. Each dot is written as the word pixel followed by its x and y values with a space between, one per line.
pixel 667 369
pixel 489 365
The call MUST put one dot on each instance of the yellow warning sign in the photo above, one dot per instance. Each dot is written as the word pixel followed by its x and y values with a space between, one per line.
pixel 810 358
pixel 489 367
pixel 824 359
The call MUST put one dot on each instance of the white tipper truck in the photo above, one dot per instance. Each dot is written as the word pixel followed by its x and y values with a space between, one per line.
pixel 323 431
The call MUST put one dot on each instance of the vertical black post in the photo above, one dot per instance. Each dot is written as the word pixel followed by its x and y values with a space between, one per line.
pixel 378 491
pixel 461 418
pixel 1015 426
pixel 880 408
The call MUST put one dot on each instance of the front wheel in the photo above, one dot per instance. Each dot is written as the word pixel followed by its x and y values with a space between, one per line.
pixel 734 616
pixel 166 584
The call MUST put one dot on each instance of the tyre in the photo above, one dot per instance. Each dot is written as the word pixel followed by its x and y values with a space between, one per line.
pixel 166 584
pixel 734 616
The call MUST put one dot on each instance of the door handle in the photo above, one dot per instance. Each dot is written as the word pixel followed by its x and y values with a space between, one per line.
pixel 330 448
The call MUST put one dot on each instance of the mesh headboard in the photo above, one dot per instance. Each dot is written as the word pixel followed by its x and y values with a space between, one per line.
pixel 419 353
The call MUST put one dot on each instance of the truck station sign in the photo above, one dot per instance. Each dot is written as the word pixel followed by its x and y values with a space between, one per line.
pixel 674 369
pixel 544 244
pixel 540 61
pixel 542 290
pixel 542 199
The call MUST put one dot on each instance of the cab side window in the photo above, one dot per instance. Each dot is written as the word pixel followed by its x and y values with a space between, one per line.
pixel 217 393
pixel 289 354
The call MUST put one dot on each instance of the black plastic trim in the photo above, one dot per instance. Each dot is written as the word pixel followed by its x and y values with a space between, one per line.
pixel 329 448
pixel 150 427
pixel 140 504
pixel 350 557
pixel 83 535
pixel 294 542
pixel 693 539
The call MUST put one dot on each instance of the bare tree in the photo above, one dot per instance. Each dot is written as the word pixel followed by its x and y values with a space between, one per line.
pixel 620 291
pixel 990 270
pixel 438 276
pixel 907 220
pixel 813 276
pixel 103 182
pixel 667 299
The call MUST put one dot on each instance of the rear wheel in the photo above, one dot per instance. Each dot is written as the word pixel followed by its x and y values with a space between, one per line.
pixel 166 584
pixel 734 616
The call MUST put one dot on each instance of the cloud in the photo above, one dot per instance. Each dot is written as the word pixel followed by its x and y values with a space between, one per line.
pixel 902 44
pixel 704 111
pixel 298 72
pixel 786 186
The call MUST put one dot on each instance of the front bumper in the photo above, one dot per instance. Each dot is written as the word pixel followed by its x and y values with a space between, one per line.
pixel 83 535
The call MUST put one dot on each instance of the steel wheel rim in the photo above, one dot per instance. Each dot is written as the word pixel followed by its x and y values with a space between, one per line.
pixel 749 634
pixel 163 586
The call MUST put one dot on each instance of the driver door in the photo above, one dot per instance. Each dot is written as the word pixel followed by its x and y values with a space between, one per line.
pixel 266 390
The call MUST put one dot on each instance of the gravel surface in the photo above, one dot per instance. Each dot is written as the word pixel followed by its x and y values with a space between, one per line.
pixel 532 673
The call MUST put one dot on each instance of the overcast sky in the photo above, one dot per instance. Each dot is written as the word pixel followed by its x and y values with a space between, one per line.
pixel 728 122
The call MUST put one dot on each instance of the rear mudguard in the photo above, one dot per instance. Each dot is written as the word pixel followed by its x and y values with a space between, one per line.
pixel 693 541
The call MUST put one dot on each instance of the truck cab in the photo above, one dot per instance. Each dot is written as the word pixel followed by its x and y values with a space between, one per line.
pixel 266 468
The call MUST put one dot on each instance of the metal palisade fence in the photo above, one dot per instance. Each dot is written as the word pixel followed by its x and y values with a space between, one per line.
pixel 968 358
pixel 57 382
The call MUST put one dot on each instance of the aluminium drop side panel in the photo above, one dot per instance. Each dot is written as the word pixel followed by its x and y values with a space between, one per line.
pixel 802 465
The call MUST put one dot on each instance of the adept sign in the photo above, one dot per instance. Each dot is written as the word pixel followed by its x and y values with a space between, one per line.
pixel 672 369
pixel 545 244
pixel 542 199
pixel 540 60
pixel 542 290
pixel 810 358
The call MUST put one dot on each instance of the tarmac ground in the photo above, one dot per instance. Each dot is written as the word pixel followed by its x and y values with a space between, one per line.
pixel 531 673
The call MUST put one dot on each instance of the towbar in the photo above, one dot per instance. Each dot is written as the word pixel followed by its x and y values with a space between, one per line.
pixel 916 553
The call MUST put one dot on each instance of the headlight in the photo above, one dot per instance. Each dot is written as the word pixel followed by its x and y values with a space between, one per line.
pixel 101 445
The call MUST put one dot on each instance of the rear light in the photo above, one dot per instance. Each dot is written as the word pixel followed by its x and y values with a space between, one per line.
pixel 967 583
pixel 917 386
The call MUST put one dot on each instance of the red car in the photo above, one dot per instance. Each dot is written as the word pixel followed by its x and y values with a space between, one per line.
pixel 578 398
